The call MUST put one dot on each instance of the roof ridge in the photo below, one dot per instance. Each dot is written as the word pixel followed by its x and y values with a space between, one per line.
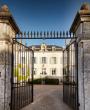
pixel 48 45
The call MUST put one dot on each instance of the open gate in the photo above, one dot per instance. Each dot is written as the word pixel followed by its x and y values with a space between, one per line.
pixel 22 77
pixel 70 75
pixel 22 69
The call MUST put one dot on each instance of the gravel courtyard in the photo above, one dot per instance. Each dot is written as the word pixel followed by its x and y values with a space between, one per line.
pixel 47 98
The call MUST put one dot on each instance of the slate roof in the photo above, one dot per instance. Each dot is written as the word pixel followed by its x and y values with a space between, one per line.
pixel 49 47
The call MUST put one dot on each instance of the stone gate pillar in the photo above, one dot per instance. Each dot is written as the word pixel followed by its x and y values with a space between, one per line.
pixel 81 28
pixel 8 30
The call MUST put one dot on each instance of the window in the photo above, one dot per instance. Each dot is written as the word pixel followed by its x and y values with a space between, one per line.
pixel 53 71
pixel 53 60
pixel 44 71
pixel 44 60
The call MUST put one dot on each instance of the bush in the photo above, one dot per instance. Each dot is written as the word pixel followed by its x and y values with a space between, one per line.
pixel 51 81
pixel 47 81
pixel 35 81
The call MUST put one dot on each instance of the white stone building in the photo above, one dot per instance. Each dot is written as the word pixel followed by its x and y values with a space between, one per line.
pixel 48 61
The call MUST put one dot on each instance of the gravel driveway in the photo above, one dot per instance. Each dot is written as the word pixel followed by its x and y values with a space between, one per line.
pixel 47 98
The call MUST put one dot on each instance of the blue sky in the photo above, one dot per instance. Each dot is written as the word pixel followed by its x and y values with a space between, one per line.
pixel 37 15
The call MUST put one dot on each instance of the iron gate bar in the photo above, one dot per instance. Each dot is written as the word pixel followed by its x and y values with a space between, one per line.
pixel 11 77
pixel 32 74
pixel 26 67
pixel 20 71
pixel 63 74
pixel 76 51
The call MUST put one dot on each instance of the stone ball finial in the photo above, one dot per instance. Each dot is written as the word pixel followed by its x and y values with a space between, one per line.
pixel 85 6
pixel 4 8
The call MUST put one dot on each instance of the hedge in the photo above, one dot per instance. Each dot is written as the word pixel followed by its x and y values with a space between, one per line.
pixel 47 81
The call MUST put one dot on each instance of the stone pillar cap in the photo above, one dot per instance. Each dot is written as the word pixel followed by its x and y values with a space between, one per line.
pixel 5 14
pixel 4 8
pixel 82 15
pixel 85 6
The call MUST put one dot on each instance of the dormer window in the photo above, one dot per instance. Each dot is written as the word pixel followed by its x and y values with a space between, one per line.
pixel 43 47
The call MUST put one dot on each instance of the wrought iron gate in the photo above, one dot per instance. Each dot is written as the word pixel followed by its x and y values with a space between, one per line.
pixel 22 61
pixel 22 75
pixel 70 75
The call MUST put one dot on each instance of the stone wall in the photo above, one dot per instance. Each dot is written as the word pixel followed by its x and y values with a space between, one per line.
pixel 8 30
pixel 5 75
pixel 84 74
pixel 80 76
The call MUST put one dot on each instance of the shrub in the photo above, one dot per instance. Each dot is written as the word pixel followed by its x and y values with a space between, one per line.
pixel 47 81
pixel 35 81
pixel 51 81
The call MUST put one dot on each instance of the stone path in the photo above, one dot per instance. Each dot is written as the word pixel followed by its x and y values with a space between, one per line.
pixel 47 98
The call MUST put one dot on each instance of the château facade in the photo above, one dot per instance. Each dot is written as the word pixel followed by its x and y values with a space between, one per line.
pixel 48 61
